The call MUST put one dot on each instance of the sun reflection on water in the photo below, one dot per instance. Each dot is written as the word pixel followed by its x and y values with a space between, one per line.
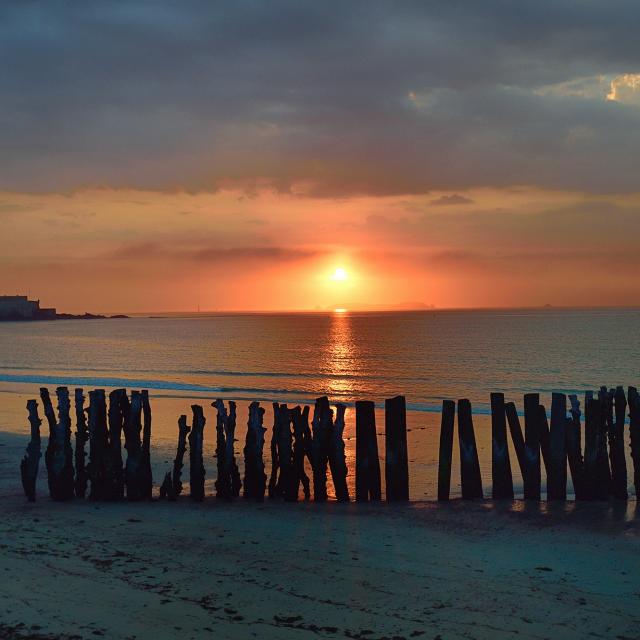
pixel 341 359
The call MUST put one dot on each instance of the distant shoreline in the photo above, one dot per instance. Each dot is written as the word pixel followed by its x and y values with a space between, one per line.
pixel 63 316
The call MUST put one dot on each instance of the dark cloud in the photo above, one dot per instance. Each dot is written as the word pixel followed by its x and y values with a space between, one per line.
pixel 348 98
pixel 209 253
pixel 452 199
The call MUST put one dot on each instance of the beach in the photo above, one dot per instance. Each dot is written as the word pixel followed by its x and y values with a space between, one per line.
pixel 274 570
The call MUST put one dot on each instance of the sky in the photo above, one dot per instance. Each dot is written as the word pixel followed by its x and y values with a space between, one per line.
pixel 169 156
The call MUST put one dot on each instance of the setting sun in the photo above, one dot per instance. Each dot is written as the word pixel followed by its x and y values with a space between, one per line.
pixel 339 274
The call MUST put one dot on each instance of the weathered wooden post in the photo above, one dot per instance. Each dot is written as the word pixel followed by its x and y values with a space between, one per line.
pixel 634 435
pixel 616 447
pixel 603 471
pixel 223 480
pixel 516 436
pixel 500 463
pixel 337 459
pixel 557 474
pixel 31 461
pixel 446 449
pixel 321 429
pixel 469 465
pixel 171 486
pixel 59 454
pixel 114 469
pixel 273 445
pixel 196 463
pixel 396 470
pixel 178 462
pixel 98 445
pixel 286 485
pixel 532 446
pixel 574 447
pixel 133 444
pixel 82 437
pixel 545 439
pixel 301 449
pixel 592 419
pixel 368 486
pixel 228 482
pixel 254 475
pixel 230 433
pixel 146 479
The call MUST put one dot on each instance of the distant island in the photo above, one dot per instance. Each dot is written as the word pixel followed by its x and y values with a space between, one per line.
pixel 20 308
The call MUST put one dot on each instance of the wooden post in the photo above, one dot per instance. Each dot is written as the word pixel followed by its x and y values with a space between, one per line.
pixel 230 434
pixel 592 419
pixel 616 447
pixel 557 473
pixel 500 464
pixel 275 462
pixel 114 469
pixel 545 439
pixel 196 463
pixel 133 444
pixel 603 471
pixel 59 454
pixel 532 446
pixel 287 483
pixel 469 465
pixel 321 430
pixel 446 449
pixel 31 461
pixel 255 477
pixel 171 486
pixel 574 447
pixel 228 482
pixel 634 435
pixel 368 485
pixel 98 445
pixel 82 437
pixel 223 481
pixel 516 436
pixel 337 459
pixel 146 476
pixel 178 462
pixel 396 470
pixel 301 449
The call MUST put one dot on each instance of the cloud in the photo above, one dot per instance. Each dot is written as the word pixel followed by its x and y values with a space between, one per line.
pixel 452 199
pixel 329 99
pixel 209 253
pixel 625 88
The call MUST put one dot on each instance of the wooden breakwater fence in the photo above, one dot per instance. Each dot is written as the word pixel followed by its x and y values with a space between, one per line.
pixel 598 469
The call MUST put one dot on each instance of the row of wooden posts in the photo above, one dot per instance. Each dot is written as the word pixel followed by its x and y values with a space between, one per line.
pixel 293 441
pixel 598 471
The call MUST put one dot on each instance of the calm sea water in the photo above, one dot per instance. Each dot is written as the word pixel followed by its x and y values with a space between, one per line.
pixel 427 356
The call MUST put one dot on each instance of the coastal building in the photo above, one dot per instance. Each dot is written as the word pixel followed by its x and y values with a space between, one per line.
pixel 21 308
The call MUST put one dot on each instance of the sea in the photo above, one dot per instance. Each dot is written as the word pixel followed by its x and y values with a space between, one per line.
pixel 427 356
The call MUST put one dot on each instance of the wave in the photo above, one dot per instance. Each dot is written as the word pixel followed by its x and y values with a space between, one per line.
pixel 242 394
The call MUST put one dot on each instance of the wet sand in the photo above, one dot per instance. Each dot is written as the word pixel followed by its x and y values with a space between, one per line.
pixel 271 570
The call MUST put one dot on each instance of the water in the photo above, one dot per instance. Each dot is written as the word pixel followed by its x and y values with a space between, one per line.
pixel 426 356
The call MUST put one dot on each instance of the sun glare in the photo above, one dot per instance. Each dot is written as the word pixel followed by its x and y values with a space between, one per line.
pixel 339 274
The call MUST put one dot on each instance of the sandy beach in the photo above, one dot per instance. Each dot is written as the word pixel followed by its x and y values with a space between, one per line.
pixel 273 570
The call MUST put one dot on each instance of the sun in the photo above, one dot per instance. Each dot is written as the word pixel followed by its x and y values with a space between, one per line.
pixel 339 275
